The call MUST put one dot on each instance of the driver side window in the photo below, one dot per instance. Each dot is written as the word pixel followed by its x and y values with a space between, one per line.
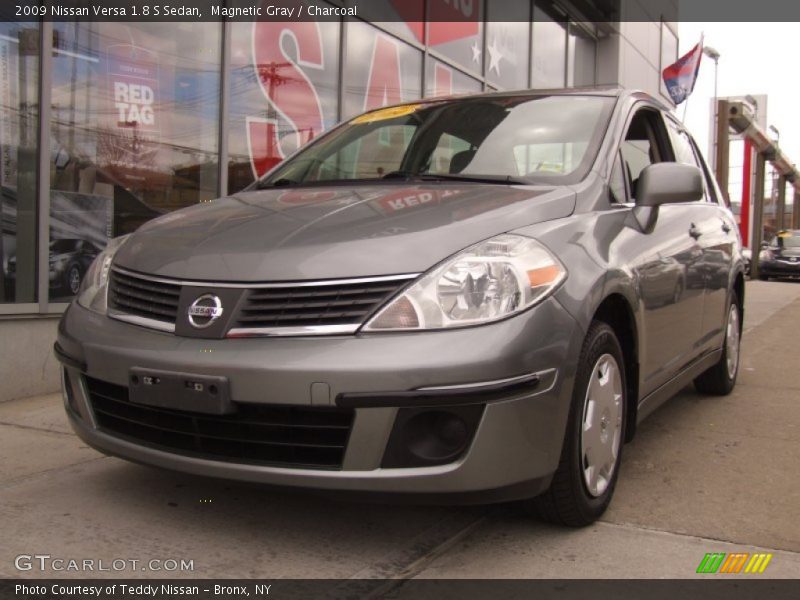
pixel 641 147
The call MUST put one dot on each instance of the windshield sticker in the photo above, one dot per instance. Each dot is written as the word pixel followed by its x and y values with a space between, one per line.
pixel 386 113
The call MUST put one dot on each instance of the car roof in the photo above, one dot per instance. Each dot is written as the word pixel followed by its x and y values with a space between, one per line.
pixel 611 91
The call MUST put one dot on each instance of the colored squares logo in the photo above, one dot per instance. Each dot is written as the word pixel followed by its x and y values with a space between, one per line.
pixel 734 563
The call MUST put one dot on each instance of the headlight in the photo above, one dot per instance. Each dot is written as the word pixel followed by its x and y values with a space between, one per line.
pixel 94 287
pixel 487 282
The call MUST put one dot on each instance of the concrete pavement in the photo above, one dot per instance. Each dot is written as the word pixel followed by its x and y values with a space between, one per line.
pixel 703 475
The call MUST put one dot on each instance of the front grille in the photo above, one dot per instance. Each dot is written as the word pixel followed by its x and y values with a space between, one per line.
pixel 314 305
pixel 143 297
pixel 288 436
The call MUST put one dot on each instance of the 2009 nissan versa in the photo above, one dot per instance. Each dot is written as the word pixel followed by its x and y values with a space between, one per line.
pixel 467 299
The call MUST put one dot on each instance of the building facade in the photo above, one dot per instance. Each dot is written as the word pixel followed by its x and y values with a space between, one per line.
pixel 106 125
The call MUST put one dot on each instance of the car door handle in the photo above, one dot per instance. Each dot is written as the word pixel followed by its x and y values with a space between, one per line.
pixel 694 231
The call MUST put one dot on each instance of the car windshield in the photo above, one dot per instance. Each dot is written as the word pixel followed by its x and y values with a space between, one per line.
pixel 789 240
pixel 522 139
pixel 58 246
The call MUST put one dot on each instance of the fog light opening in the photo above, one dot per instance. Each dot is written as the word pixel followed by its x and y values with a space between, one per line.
pixel 436 435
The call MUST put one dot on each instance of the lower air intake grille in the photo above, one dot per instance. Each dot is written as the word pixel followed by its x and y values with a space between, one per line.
pixel 288 436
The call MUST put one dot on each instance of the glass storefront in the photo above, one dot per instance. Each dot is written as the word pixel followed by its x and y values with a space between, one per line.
pixel 134 133
pixel 19 142
pixel 132 127
pixel 549 64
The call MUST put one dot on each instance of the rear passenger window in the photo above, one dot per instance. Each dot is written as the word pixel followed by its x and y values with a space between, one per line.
pixel 684 152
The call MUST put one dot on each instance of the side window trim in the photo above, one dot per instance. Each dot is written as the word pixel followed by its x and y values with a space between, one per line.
pixel 627 200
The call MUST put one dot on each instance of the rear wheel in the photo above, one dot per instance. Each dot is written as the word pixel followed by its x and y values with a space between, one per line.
pixel 589 465
pixel 720 379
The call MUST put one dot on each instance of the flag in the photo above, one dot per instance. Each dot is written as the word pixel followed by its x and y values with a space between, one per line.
pixel 680 76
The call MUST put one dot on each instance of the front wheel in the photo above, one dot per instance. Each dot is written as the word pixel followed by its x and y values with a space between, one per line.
pixel 590 457
pixel 720 379
pixel 73 279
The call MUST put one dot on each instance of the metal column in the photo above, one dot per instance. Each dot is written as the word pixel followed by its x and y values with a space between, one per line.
pixel 722 162
pixel 758 214
pixel 781 208
pixel 796 209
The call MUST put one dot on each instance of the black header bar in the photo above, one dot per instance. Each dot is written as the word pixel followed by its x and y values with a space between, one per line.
pixel 608 11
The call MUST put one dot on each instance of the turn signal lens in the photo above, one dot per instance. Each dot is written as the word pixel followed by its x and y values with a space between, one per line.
pixel 487 282
pixel 398 315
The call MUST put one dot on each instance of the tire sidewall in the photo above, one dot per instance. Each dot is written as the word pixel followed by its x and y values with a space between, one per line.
pixel 731 381
pixel 603 341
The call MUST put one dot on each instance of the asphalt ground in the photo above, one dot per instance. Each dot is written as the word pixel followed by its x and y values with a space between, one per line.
pixel 704 474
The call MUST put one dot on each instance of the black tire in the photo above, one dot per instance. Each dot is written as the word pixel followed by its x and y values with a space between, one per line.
pixel 718 380
pixel 763 277
pixel 568 501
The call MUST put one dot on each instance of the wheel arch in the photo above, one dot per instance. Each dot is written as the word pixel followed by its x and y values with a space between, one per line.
pixel 615 310
pixel 738 287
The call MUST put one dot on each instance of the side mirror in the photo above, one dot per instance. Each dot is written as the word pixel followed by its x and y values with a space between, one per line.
pixel 668 183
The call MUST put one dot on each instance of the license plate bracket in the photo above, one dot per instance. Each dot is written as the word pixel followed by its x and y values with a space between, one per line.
pixel 180 391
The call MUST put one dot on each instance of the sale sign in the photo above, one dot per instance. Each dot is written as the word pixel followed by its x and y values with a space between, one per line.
pixel 133 77
pixel 449 20
pixel 128 142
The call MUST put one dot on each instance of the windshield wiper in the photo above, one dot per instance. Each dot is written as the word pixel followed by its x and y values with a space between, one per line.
pixel 282 182
pixel 497 179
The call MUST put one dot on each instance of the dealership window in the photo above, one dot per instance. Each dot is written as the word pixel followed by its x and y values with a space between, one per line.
pixel 134 133
pixel 549 62
pixel 582 59
pixel 381 70
pixel 283 92
pixel 403 18
pixel 455 31
pixel 444 80
pixel 507 44
pixel 19 129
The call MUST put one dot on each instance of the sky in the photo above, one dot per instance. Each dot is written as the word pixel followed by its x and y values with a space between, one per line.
pixel 756 58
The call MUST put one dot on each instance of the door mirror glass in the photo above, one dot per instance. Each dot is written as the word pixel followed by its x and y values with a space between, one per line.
pixel 668 183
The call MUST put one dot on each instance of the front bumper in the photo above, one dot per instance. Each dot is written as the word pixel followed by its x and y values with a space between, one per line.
pixel 779 268
pixel 514 450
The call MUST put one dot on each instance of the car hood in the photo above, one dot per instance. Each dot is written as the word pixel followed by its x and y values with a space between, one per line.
pixel 789 252
pixel 334 232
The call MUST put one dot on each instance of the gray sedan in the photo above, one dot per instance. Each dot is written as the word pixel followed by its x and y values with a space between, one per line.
pixel 470 299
